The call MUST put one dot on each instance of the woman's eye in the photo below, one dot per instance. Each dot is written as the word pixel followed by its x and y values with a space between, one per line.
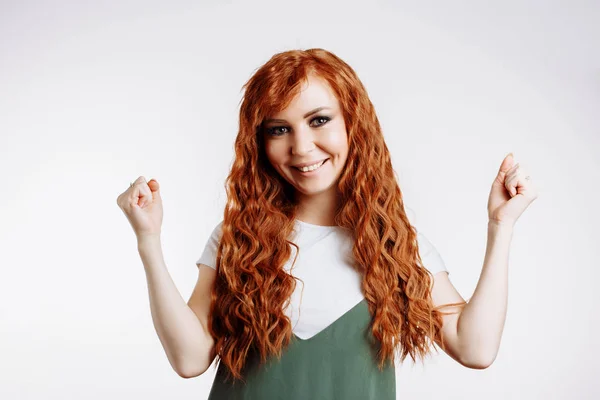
pixel 326 119
pixel 274 131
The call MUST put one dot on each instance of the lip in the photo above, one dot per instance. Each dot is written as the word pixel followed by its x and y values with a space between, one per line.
pixel 309 163
pixel 310 173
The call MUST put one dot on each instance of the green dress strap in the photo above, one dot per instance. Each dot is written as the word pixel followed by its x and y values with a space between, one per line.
pixel 339 362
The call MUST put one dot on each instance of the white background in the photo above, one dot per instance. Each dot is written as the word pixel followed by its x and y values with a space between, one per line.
pixel 94 94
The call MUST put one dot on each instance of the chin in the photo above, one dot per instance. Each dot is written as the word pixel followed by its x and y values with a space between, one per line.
pixel 317 190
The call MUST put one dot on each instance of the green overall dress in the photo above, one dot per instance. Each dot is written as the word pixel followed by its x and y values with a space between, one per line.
pixel 337 363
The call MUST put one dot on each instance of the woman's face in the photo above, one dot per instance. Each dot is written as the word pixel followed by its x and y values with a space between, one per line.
pixel 311 129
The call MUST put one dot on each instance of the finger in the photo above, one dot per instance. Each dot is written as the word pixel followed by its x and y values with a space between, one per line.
pixel 508 160
pixel 139 180
pixel 515 182
pixel 506 172
pixel 155 189
pixel 511 189
pixel 518 169
pixel 510 183
pixel 140 192
pixel 511 175
pixel 513 170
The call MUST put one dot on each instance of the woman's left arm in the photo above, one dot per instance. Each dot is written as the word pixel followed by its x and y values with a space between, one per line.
pixel 472 335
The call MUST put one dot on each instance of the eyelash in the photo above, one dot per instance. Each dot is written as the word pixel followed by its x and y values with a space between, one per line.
pixel 271 130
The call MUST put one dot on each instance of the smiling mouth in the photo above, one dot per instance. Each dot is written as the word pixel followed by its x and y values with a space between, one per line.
pixel 313 169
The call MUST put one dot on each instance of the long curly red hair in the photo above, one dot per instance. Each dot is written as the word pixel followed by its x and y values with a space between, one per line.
pixel 252 289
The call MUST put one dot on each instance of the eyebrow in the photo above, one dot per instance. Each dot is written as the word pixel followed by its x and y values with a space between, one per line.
pixel 308 114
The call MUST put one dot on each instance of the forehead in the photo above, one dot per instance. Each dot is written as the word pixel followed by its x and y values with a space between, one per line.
pixel 315 92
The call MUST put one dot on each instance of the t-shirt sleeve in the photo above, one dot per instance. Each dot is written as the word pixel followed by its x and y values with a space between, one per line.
pixel 431 258
pixel 209 255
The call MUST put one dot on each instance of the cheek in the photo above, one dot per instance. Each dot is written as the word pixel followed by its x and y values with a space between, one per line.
pixel 275 153
pixel 337 142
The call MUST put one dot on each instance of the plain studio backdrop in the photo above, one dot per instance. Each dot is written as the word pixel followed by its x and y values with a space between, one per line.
pixel 96 94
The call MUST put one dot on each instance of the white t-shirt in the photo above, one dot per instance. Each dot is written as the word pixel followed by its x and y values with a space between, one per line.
pixel 332 286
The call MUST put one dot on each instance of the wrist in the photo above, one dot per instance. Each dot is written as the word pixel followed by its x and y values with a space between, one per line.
pixel 148 240
pixel 502 228
pixel 500 223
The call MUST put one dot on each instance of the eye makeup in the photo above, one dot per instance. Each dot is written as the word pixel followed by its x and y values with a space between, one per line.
pixel 272 130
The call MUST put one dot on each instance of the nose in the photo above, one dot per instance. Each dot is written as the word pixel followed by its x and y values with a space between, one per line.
pixel 302 141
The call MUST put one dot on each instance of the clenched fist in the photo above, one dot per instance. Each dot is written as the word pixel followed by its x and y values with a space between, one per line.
pixel 142 205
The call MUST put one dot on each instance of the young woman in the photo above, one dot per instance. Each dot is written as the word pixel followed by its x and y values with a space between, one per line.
pixel 312 198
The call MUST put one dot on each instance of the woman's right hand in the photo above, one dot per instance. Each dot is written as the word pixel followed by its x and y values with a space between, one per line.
pixel 142 206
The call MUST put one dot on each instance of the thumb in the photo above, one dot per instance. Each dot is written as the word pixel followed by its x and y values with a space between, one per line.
pixel 155 188
pixel 506 165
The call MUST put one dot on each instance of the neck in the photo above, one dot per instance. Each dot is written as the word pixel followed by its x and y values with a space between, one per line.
pixel 318 209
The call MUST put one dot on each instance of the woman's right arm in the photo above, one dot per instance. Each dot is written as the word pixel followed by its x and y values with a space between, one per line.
pixel 181 328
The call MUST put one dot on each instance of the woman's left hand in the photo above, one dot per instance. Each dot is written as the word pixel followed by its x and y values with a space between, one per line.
pixel 512 192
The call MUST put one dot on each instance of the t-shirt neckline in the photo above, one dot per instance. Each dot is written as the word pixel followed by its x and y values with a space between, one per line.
pixel 317 227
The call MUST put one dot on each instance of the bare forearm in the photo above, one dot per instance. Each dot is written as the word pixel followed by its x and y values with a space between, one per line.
pixel 481 322
pixel 179 330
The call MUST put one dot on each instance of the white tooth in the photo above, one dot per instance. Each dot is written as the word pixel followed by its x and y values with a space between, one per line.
pixel 311 167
